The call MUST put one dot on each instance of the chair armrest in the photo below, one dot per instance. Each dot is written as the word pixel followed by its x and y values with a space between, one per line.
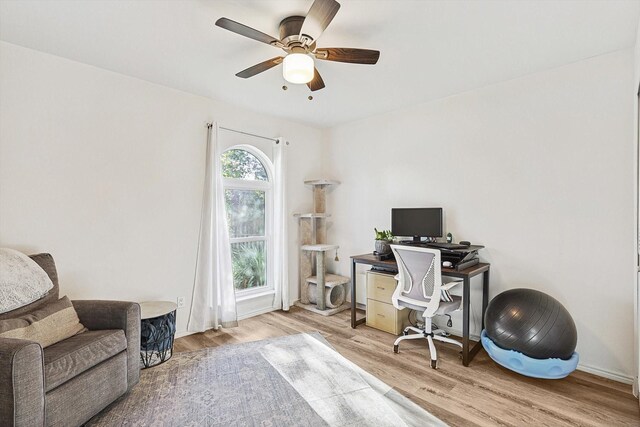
pixel 96 315
pixel 450 282
pixel 21 383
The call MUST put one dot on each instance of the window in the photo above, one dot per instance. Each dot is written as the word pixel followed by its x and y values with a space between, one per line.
pixel 247 189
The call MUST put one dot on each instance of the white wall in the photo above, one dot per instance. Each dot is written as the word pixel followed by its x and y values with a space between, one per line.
pixel 106 172
pixel 539 169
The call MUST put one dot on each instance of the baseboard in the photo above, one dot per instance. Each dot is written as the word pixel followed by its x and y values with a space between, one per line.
pixel 615 376
pixel 181 334
pixel 184 334
pixel 257 312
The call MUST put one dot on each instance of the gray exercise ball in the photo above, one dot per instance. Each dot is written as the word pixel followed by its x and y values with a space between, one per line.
pixel 532 323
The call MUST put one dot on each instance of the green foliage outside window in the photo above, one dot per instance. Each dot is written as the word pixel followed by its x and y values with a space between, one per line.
pixel 249 265
pixel 243 165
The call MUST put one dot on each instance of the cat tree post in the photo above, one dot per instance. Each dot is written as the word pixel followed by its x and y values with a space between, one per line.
pixel 320 281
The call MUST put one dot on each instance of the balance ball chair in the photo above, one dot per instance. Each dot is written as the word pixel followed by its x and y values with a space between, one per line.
pixel 531 333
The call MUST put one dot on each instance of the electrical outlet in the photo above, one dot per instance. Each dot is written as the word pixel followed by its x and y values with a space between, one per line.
pixel 180 302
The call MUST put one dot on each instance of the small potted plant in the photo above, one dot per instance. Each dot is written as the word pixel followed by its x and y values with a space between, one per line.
pixel 384 239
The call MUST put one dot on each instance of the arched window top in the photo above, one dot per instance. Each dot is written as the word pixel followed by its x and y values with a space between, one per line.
pixel 240 163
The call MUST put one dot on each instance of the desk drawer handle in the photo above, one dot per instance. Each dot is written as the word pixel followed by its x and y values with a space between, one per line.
pixel 381 288
pixel 381 315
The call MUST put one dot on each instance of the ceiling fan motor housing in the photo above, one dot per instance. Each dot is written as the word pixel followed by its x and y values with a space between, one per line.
pixel 290 33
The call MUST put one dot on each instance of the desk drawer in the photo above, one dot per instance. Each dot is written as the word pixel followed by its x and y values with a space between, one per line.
pixel 383 316
pixel 380 287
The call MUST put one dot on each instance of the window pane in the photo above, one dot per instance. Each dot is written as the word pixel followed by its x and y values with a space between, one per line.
pixel 245 212
pixel 249 264
pixel 243 165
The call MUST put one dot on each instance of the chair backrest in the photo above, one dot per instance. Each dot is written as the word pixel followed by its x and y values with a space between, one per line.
pixel 420 279
pixel 49 266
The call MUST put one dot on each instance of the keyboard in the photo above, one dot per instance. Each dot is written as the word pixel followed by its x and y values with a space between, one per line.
pixel 446 245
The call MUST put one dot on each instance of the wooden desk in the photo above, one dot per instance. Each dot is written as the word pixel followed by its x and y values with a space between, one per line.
pixel 482 268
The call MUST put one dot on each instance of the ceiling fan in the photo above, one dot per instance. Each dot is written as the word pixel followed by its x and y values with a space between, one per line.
pixel 298 36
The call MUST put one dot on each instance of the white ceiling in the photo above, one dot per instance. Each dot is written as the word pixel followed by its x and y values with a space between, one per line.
pixel 429 49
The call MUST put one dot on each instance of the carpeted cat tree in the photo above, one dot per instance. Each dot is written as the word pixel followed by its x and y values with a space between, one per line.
pixel 321 292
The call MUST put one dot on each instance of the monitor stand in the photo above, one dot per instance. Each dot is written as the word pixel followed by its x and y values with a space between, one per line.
pixel 415 241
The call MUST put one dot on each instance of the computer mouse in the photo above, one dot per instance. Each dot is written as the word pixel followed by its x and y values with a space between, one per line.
pixel 447 264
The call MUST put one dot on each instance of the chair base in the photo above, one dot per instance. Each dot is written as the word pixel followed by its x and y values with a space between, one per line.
pixel 429 336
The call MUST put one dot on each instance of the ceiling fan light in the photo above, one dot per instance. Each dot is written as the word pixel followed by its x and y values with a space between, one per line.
pixel 298 68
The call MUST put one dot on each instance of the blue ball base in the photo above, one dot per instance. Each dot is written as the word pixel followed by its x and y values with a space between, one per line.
pixel 551 369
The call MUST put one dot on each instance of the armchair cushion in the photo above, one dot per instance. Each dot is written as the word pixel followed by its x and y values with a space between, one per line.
pixel 46 326
pixel 97 315
pixel 73 356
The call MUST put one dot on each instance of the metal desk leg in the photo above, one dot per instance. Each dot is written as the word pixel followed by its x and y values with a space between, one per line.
pixel 485 301
pixel 466 296
pixel 485 294
pixel 353 293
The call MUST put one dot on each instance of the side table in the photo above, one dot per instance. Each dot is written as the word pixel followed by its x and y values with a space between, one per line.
pixel 157 331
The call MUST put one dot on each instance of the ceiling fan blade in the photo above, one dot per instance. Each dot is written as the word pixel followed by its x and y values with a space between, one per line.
pixel 318 19
pixel 347 54
pixel 317 83
pixel 243 30
pixel 258 68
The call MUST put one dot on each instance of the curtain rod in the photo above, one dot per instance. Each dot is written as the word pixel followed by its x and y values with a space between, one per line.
pixel 244 133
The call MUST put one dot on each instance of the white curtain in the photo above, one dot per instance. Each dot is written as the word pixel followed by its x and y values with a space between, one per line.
pixel 214 300
pixel 281 241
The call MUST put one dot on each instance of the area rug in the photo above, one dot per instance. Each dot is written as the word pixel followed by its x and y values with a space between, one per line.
pixel 296 380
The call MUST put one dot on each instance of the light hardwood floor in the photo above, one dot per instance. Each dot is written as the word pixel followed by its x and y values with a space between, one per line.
pixel 482 394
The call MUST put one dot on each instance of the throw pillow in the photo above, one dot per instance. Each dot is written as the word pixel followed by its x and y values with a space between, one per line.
pixel 22 280
pixel 53 323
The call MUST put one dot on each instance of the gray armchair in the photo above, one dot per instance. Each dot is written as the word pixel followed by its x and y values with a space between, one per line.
pixel 69 382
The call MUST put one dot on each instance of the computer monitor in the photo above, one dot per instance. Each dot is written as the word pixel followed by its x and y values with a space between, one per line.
pixel 416 222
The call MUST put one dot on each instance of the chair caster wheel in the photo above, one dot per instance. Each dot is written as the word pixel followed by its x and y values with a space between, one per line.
pixel 395 349
pixel 405 333
pixel 434 364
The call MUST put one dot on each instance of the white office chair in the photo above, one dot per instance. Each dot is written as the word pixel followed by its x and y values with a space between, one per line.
pixel 420 288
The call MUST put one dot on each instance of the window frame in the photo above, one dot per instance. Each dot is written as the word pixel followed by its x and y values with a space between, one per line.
pixel 267 187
